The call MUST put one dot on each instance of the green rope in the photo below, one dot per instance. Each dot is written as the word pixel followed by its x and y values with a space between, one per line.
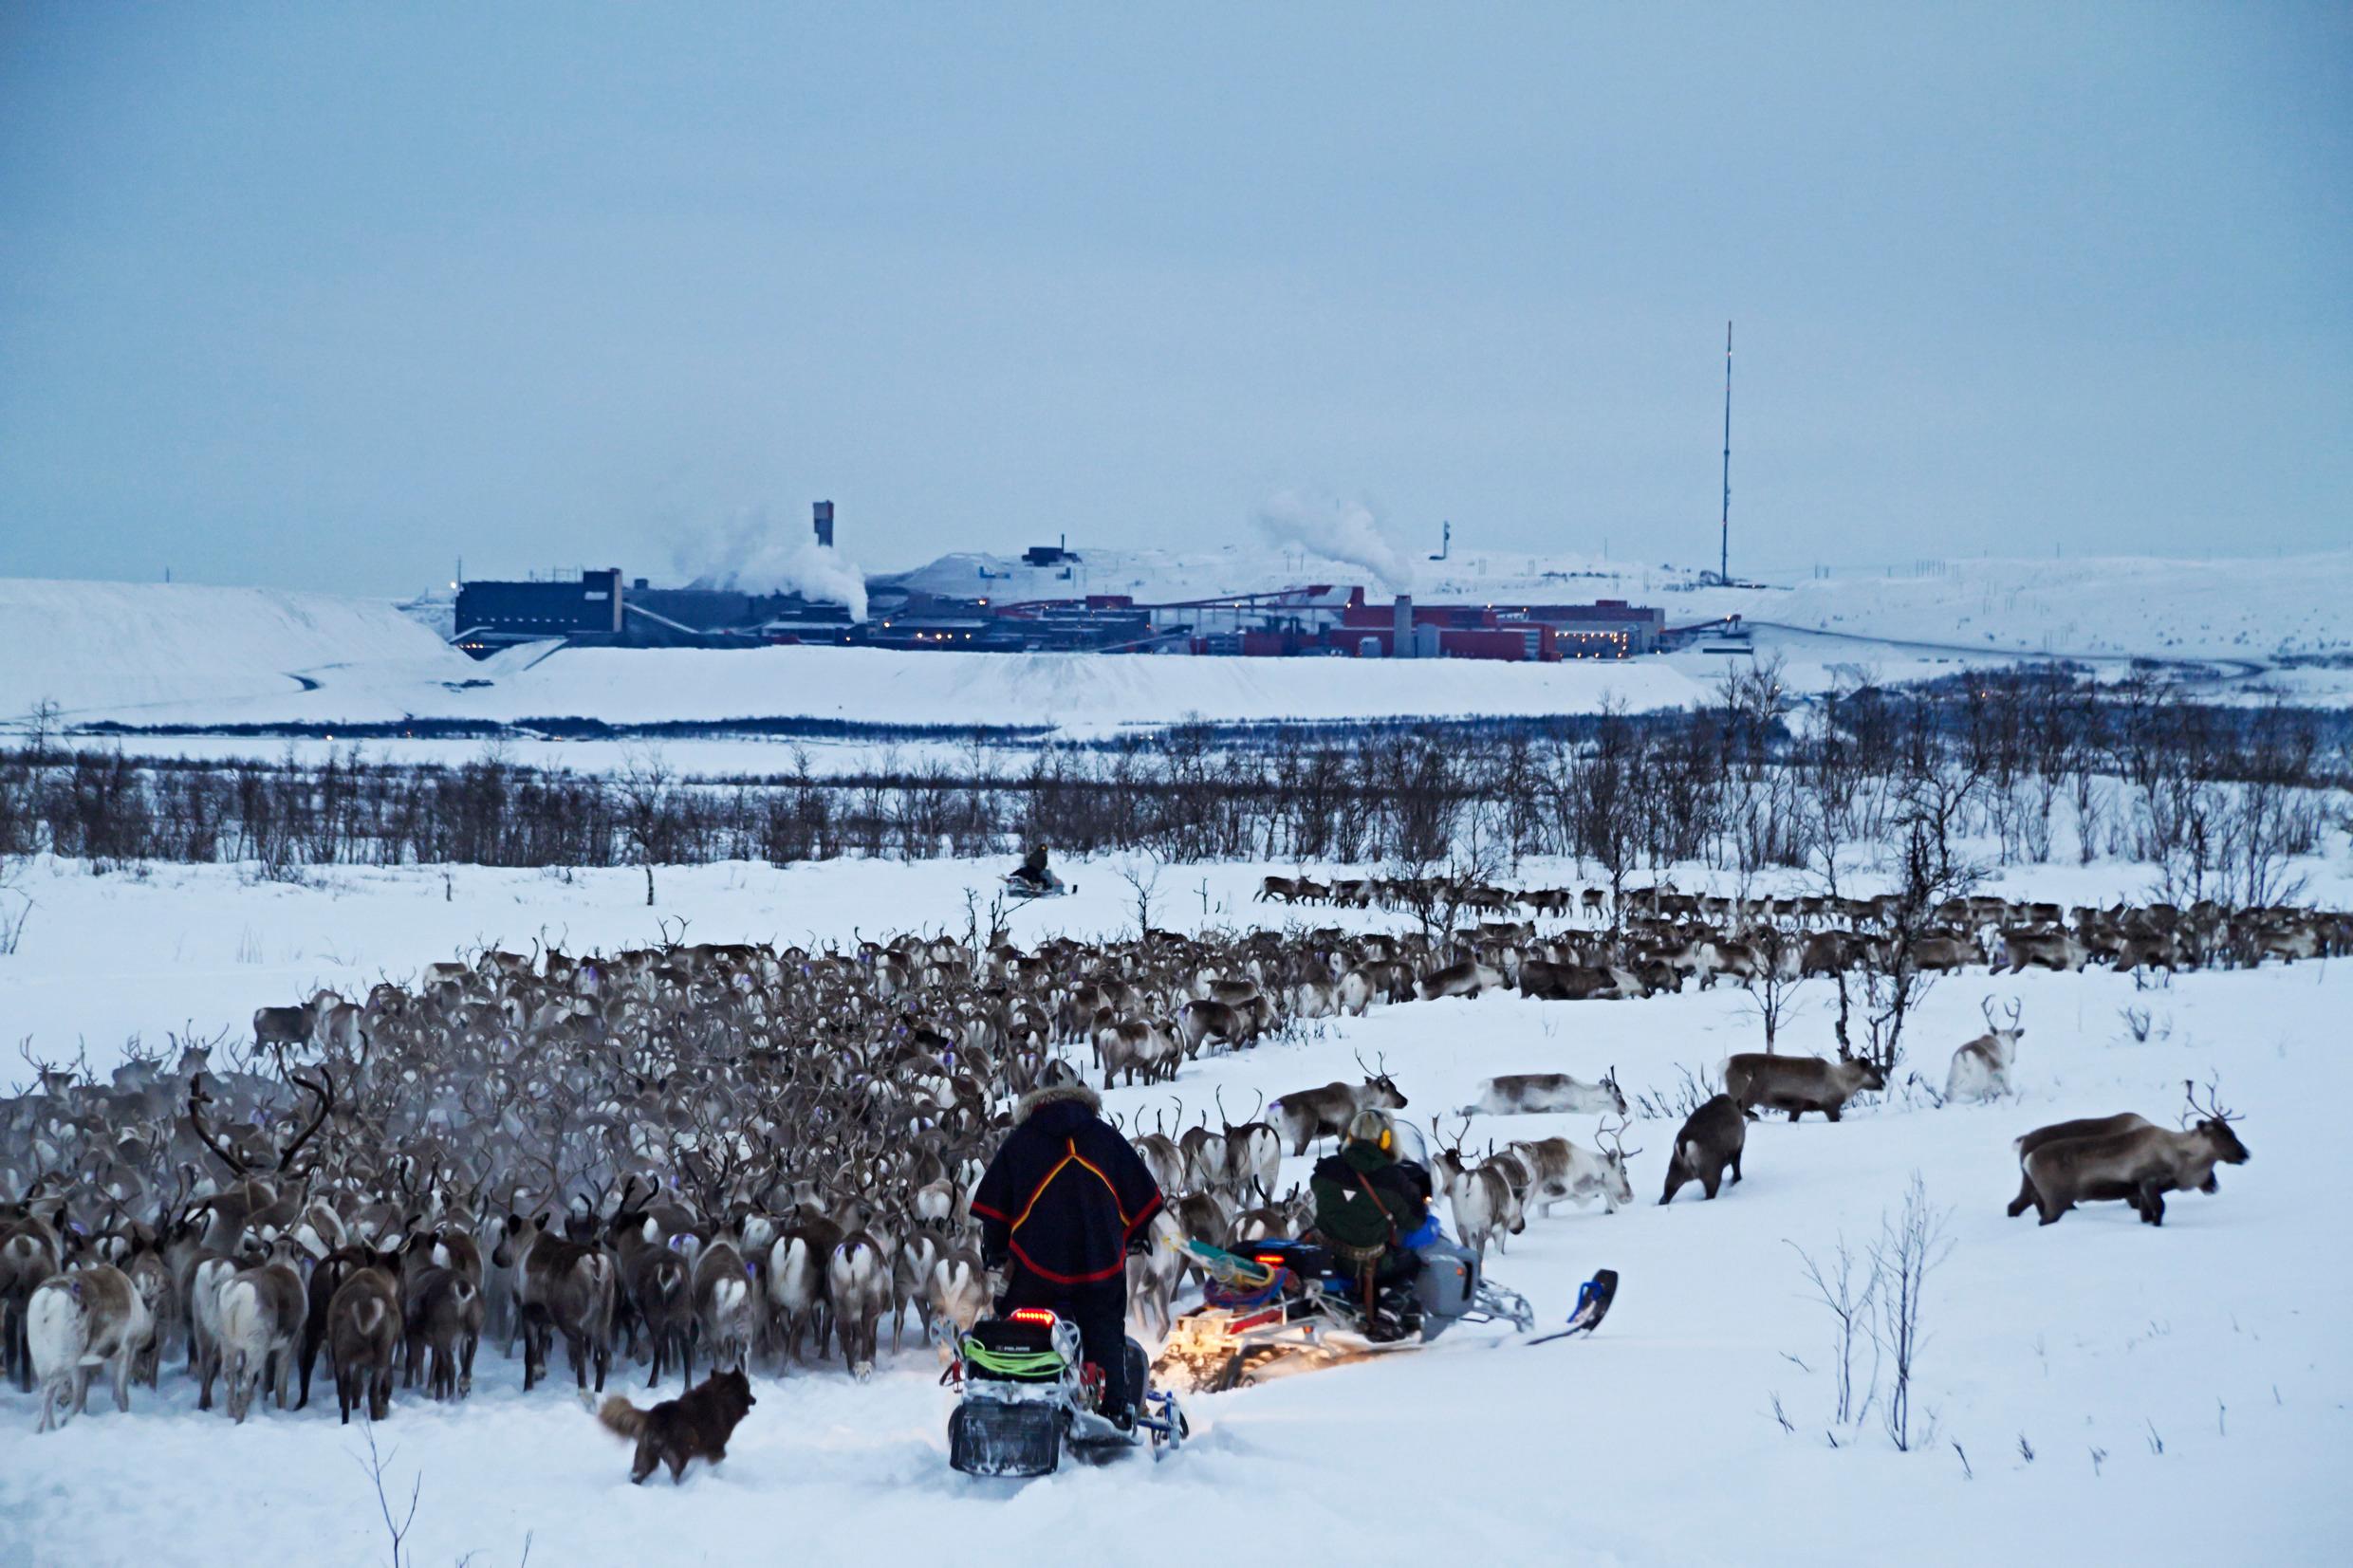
pixel 1012 1363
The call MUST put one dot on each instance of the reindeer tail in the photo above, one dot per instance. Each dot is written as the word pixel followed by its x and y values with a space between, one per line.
pixel 620 1417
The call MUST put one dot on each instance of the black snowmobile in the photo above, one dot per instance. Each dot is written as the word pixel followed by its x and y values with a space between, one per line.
pixel 1027 1396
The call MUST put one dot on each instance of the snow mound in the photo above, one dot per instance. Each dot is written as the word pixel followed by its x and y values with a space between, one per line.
pixel 119 649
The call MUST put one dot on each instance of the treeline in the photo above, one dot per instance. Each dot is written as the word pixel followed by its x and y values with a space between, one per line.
pixel 2220 795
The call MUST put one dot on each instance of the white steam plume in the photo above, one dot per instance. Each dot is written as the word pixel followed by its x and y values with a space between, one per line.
pixel 753 552
pixel 1336 531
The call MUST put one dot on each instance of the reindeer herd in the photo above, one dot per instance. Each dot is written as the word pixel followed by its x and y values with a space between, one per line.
pixel 740 1153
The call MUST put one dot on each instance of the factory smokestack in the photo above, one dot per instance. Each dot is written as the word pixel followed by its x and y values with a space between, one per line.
pixel 824 524
pixel 1401 638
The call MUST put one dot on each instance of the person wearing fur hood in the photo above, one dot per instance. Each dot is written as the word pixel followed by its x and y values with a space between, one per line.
pixel 1061 1206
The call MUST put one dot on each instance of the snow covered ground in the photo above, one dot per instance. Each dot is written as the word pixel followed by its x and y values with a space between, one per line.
pixel 2184 1392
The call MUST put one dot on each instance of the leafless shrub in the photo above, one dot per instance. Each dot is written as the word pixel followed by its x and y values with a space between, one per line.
pixel 1849 1297
pixel 1911 1243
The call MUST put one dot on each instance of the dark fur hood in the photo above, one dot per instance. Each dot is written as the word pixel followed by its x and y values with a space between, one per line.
pixel 1060 1094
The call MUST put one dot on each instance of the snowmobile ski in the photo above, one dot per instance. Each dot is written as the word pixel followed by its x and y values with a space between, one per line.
pixel 1593 1300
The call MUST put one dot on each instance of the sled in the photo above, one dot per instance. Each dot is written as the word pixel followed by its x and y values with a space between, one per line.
pixel 1284 1308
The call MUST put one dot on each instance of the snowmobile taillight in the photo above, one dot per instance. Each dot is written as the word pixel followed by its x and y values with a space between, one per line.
pixel 1042 1316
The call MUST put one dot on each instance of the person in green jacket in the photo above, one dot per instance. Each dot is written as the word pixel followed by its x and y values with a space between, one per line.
pixel 1367 1201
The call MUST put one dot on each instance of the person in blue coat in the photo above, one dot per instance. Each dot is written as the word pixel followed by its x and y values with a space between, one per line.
pixel 1060 1208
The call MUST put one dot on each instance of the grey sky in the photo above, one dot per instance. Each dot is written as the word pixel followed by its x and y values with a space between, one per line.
pixel 325 296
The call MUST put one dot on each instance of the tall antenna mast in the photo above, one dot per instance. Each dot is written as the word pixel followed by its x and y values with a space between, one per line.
pixel 1724 541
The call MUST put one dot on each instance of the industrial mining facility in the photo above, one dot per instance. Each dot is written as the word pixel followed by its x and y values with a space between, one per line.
pixel 607 608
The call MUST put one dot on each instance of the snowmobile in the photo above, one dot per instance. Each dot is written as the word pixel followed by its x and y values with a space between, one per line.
pixel 1025 889
pixel 1028 1397
pixel 1289 1306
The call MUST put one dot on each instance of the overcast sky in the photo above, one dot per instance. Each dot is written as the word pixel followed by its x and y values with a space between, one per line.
pixel 323 296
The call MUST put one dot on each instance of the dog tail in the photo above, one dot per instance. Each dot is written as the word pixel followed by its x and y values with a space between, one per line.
pixel 620 1417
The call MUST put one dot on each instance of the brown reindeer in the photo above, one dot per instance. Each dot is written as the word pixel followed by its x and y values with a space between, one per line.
pixel 441 1309
pixel 2139 1166
pixel 29 1253
pixel 2060 1132
pixel 659 1286
pixel 1708 1144
pixel 363 1335
pixel 560 1287
pixel 1311 1113
pixel 1799 1083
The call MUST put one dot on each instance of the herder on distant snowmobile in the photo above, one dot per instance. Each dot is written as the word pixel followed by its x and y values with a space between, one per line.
pixel 1031 878
pixel 1372 1210
pixel 1060 1208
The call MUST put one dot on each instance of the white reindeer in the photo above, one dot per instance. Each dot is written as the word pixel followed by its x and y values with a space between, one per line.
pixel 1981 1069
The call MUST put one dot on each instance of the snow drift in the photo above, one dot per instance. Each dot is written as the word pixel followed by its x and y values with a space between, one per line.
pixel 117 649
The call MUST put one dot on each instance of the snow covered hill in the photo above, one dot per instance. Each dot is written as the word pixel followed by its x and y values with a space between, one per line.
pixel 118 650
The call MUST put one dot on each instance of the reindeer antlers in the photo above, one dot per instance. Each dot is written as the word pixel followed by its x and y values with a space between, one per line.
pixel 2016 1009
pixel 325 1091
pixel 197 1098
pixel 2213 1110
pixel 1615 1136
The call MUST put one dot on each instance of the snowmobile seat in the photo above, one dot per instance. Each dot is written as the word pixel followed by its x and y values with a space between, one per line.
pixel 1019 1349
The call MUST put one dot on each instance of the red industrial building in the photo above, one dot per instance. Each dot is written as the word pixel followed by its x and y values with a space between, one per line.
pixel 1608 628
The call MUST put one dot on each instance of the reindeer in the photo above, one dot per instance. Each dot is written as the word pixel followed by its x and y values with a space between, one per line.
pixel 1201 1020
pixel 1163 1156
pixel 441 1309
pixel 1205 1157
pixel 1981 1069
pixel 79 1321
pixel 1799 1083
pixel 1153 1275
pixel 958 1294
pixel 1532 1093
pixel 29 1253
pixel 800 1285
pixel 1311 1113
pixel 1132 1046
pixel 724 1307
pixel 1706 1145
pixel 560 1287
pixel 1253 1152
pixel 261 1326
pixel 363 1335
pixel 858 1275
pixel 659 1286
pixel 911 1283
pixel 2137 1166
pixel 1481 1196
pixel 1558 1170
pixel 2050 949
pixel 327 1276
pixel 279 1028
pixel 1577 981
pixel 1467 978
pixel 2085 1127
